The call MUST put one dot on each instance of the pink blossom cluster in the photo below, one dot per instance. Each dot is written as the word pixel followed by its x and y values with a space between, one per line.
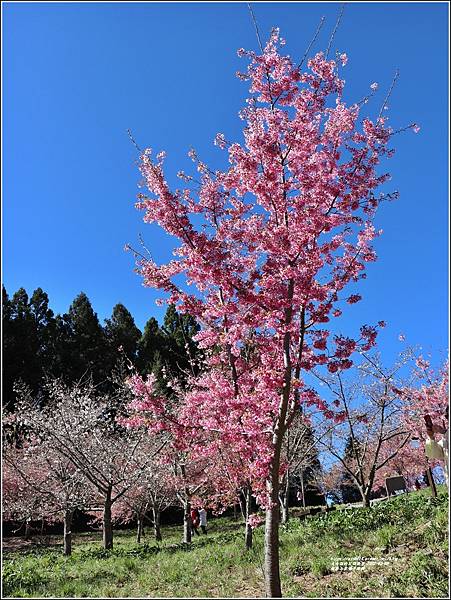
pixel 255 521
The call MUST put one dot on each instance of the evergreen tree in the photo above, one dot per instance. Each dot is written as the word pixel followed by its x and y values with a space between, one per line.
pixel 348 488
pixel 180 349
pixel 20 309
pixel 310 471
pixel 23 353
pixel 6 304
pixel 121 332
pixel 8 350
pixel 86 351
pixel 43 331
pixel 170 348
pixel 303 467
pixel 62 348
pixel 149 347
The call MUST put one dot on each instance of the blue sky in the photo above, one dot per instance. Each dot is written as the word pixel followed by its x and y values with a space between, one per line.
pixel 76 76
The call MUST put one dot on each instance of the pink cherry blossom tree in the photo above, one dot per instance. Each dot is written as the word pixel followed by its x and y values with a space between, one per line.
pixel 271 243
pixel 328 481
pixel 410 462
pixel 205 455
pixel 47 485
pixel 152 493
pixel 426 394
pixel 76 423
pixel 189 480
pixel 231 478
pixel 20 503
pixel 168 416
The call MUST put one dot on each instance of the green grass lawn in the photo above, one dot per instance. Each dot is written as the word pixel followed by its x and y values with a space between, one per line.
pixel 400 544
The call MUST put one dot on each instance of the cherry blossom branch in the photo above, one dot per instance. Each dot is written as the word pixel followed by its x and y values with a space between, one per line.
pixel 335 29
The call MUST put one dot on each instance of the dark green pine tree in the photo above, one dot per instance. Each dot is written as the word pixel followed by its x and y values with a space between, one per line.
pixel 121 333
pixel 149 347
pixel 310 473
pixel 6 304
pixel 160 370
pixel 44 331
pixel 9 350
pixel 61 340
pixel 170 348
pixel 348 489
pixel 180 350
pixel 84 349
pixel 27 350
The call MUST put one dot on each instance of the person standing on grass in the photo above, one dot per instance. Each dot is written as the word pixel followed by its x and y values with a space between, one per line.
pixel 195 521
pixel 203 520
pixel 434 449
pixel 300 496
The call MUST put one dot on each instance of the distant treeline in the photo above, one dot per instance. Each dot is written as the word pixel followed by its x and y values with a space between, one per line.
pixel 75 345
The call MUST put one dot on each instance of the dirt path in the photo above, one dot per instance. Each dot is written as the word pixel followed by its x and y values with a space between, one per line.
pixel 16 544
pixel 19 543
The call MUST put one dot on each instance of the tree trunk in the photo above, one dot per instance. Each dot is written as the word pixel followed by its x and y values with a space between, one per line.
pixel 272 573
pixel 286 500
pixel 368 490
pixel 27 530
pixel 248 508
pixel 187 522
pixel 431 482
pixel 248 537
pixel 235 516
pixel 68 532
pixel 272 568
pixel 302 488
pixel 284 510
pixel 156 524
pixel 364 494
pixel 243 504
pixel 139 529
pixel 107 525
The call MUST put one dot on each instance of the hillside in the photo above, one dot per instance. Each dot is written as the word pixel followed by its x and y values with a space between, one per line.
pixel 398 548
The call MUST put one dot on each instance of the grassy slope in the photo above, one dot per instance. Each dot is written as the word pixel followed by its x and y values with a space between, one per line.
pixel 409 532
